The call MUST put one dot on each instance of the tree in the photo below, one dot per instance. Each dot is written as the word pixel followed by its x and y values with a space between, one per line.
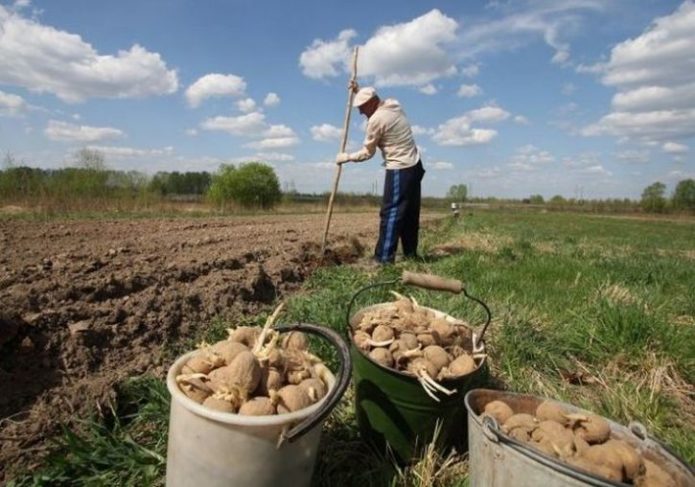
pixel 653 197
pixel 536 199
pixel 684 195
pixel 458 192
pixel 253 184
pixel 558 200
pixel 90 159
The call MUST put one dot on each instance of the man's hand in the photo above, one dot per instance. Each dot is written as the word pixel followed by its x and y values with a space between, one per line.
pixel 342 158
pixel 353 86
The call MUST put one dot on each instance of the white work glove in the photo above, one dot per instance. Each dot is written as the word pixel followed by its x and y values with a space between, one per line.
pixel 353 86
pixel 342 158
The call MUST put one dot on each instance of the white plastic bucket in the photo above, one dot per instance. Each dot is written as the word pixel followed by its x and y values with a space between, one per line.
pixel 211 448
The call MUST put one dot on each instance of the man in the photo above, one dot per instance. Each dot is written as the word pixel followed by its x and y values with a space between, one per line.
pixel 389 130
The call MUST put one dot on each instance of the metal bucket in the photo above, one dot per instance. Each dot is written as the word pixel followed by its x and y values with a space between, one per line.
pixel 496 458
pixel 394 414
pixel 217 449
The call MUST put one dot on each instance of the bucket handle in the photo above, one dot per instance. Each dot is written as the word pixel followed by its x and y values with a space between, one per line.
pixel 433 283
pixel 336 392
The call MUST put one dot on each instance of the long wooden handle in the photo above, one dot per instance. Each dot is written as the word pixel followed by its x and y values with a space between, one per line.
pixel 429 281
pixel 343 143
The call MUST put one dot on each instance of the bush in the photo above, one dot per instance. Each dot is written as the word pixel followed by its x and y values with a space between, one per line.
pixel 251 185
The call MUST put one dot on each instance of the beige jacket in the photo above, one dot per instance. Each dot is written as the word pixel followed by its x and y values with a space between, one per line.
pixel 389 130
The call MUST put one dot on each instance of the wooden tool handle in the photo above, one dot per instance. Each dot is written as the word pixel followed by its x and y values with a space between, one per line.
pixel 429 281
pixel 343 144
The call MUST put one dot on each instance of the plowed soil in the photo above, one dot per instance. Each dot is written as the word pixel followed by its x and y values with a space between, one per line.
pixel 85 304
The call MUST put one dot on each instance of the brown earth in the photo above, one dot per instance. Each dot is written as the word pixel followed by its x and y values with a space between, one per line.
pixel 85 304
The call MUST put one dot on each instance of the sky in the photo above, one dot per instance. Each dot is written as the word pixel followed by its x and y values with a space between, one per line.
pixel 578 98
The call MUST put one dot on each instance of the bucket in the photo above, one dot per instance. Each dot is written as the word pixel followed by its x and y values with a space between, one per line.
pixel 394 414
pixel 213 449
pixel 495 458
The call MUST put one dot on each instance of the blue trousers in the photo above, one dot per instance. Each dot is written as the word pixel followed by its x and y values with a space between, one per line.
pixel 400 213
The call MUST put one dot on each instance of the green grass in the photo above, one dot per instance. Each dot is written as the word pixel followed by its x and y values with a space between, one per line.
pixel 609 300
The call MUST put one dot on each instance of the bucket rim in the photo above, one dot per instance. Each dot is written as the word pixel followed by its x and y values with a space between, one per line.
pixel 234 418
pixel 403 374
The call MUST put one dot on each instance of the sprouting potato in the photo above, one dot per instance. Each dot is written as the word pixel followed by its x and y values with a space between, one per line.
pixel 499 410
pixel 582 440
pixel 254 373
pixel 382 356
pixel 228 349
pixel 437 355
pixel 382 333
pixel 295 340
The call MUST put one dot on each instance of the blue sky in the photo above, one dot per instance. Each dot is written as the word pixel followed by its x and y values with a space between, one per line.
pixel 582 98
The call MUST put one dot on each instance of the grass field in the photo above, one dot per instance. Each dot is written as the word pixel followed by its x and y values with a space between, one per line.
pixel 609 301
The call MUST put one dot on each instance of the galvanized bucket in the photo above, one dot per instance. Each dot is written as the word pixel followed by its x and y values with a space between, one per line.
pixel 496 458
pixel 394 414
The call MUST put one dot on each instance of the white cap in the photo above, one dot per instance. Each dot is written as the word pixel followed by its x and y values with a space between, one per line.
pixel 363 96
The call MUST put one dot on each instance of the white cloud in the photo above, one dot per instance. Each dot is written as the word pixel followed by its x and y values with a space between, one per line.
pixel 654 75
pixel 247 125
pixel 458 131
pixel 325 132
pixel 271 99
pixel 675 148
pixel 11 104
pixel 428 89
pixel 469 91
pixel 530 158
pixel 568 89
pixel 470 71
pixel 192 132
pixel 442 165
pixel 43 59
pixel 407 54
pixel 411 53
pixel 215 84
pixel 63 131
pixel 519 23
pixel 633 156
pixel 586 164
pixel 418 130
pixel 275 137
pixel 246 105
pixel 274 156
pixel 130 152
pixel 521 120
pixel 325 58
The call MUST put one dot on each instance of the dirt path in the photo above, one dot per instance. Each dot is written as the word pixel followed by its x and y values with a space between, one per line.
pixel 85 304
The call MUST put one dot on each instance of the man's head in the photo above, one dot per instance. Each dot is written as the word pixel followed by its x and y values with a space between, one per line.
pixel 366 100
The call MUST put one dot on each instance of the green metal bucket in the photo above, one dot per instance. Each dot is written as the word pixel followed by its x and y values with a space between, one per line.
pixel 394 414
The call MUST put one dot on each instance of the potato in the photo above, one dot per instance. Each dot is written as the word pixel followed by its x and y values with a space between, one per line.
pixel 295 340
pixel 381 356
pixel 499 410
pixel 293 398
pixel 218 404
pixel 654 476
pixel 297 376
pixel 422 364
pixel 197 364
pixel 257 406
pixel 228 349
pixel 382 333
pixel 437 355
pixel 362 340
pixel 244 372
pixel 195 393
pixel 444 333
pixel 314 387
pixel 520 426
pixel 550 411
pixel 555 435
pixel 404 306
pixel 607 456
pixel 271 380
pixel 462 365
pixel 592 428
pixel 426 339
pixel 245 334
pixel 633 464
pixel 599 470
pixel 408 341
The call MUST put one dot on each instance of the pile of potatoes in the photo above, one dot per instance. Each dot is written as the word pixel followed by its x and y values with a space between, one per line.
pixel 409 338
pixel 581 440
pixel 254 372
